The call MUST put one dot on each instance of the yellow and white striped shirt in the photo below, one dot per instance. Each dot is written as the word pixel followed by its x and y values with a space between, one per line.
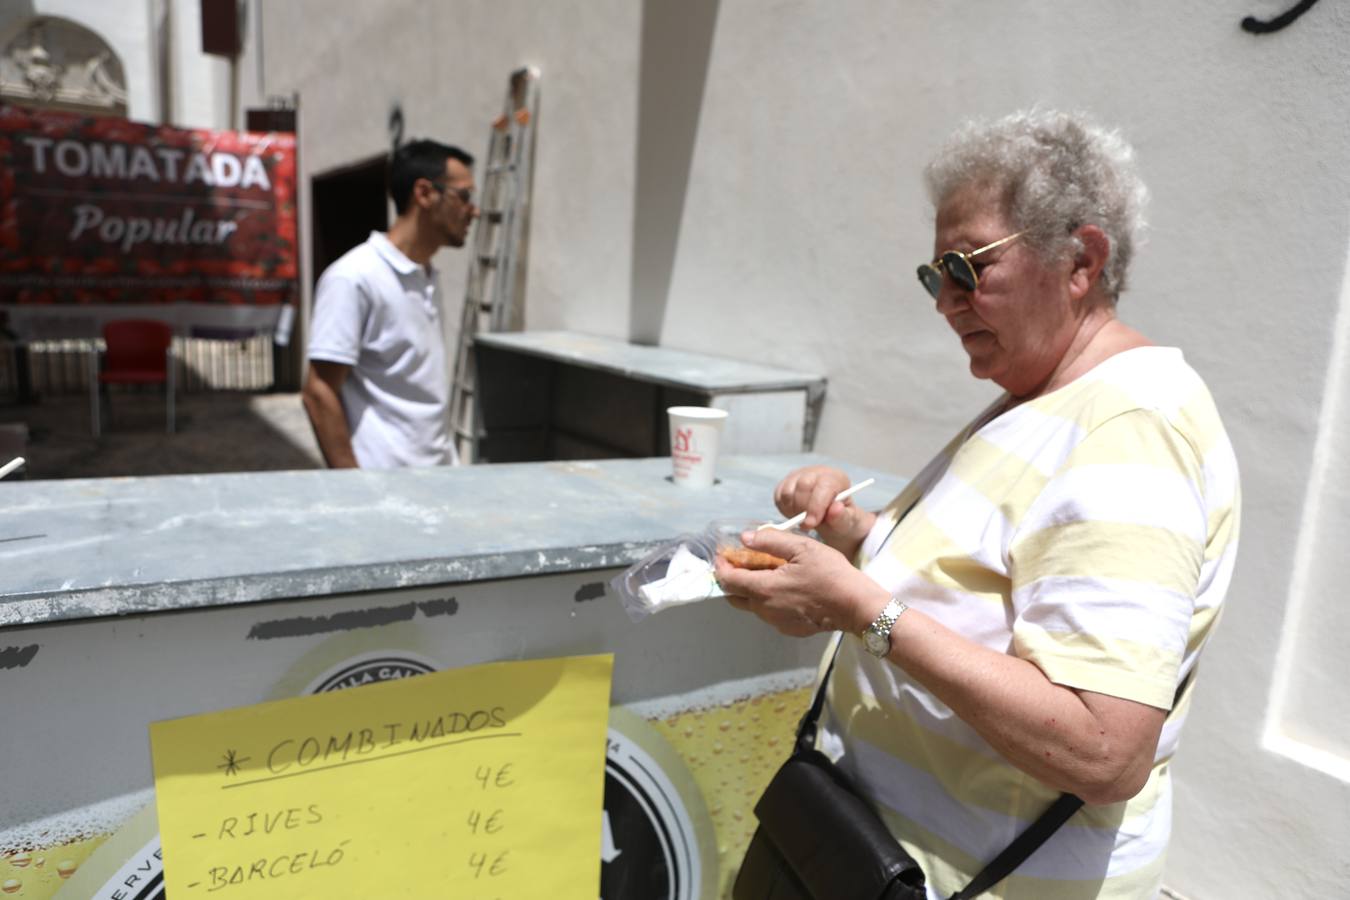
pixel 1091 531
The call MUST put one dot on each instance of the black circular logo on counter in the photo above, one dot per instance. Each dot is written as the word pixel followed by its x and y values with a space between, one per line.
pixel 657 837
pixel 636 850
pixel 370 671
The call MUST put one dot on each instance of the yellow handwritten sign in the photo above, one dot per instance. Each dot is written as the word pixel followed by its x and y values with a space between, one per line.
pixel 478 783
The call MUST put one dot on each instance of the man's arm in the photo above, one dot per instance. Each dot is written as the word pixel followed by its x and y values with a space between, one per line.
pixel 322 397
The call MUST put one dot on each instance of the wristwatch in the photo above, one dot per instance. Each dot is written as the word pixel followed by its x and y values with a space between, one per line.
pixel 877 636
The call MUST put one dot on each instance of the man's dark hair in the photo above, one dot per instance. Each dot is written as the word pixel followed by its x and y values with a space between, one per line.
pixel 419 159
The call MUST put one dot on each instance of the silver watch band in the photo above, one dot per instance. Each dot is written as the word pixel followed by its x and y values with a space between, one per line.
pixel 877 636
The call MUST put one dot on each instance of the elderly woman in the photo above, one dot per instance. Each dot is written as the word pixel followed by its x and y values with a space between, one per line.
pixel 1019 621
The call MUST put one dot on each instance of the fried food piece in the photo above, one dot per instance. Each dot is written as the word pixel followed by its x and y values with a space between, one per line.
pixel 745 558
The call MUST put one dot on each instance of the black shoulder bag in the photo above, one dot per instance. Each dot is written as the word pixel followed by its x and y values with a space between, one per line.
pixel 819 840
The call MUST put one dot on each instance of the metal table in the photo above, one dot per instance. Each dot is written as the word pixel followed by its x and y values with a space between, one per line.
pixel 563 395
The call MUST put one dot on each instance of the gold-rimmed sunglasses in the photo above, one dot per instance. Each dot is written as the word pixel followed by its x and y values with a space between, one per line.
pixel 958 267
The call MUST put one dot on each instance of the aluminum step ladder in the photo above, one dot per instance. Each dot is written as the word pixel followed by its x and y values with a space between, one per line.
pixel 494 296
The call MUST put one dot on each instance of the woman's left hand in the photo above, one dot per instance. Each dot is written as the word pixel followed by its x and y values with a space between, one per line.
pixel 817 590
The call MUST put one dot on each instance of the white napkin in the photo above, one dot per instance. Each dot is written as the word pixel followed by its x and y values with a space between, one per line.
pixel 688 579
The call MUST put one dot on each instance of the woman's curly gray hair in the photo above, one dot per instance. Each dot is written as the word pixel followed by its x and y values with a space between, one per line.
pixel 1054 172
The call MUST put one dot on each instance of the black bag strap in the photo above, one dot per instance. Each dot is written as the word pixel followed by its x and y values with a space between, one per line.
pixel 806 728
pixel 1035 834
pixel 1025 844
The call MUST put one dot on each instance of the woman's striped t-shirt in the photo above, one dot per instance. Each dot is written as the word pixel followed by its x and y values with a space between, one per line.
pixel 1091 531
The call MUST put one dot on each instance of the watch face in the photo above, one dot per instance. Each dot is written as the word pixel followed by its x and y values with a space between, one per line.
pixel 878 645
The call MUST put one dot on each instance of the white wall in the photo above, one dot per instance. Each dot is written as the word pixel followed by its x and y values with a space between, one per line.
pixel 761 163
pixel 449 75
pixel 805 208
pixel 199 94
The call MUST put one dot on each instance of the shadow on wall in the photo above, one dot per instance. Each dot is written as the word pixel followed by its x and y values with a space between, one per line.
pixel 677 43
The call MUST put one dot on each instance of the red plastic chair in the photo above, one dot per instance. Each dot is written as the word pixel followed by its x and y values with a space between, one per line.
pixel 140 351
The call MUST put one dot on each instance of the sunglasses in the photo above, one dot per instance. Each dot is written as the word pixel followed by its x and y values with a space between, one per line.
pixel 958 267
pixel 465 195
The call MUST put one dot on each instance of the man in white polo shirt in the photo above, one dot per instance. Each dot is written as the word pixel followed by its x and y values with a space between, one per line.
pixel 378 389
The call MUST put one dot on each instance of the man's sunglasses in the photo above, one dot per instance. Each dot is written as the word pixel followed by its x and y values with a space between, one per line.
pixel 958 267
pixel 465 195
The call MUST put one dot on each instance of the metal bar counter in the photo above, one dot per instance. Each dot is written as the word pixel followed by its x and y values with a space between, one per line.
pixel 123 546
pixel 129 601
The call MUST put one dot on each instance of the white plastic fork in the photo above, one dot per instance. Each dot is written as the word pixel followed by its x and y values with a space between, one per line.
pixel 789 524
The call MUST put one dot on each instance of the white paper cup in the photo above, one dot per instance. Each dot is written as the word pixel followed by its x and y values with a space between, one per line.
pixel 694 435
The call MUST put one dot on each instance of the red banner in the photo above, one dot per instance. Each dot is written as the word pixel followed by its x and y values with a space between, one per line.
pixel 103 210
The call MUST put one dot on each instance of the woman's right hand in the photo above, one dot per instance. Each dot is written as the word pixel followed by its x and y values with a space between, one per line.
pixel 812 490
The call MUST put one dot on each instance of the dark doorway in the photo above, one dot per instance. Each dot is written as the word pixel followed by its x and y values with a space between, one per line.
pixel 349 204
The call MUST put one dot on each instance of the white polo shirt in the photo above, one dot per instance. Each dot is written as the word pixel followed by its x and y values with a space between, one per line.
pixel 379 312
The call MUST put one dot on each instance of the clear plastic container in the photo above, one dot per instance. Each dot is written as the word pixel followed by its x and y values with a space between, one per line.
pixel 678 572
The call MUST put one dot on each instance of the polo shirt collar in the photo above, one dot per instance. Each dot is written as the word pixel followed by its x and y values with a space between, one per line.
pixel 394 256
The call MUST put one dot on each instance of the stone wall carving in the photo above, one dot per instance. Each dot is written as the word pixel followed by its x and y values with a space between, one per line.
pixel 59 64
